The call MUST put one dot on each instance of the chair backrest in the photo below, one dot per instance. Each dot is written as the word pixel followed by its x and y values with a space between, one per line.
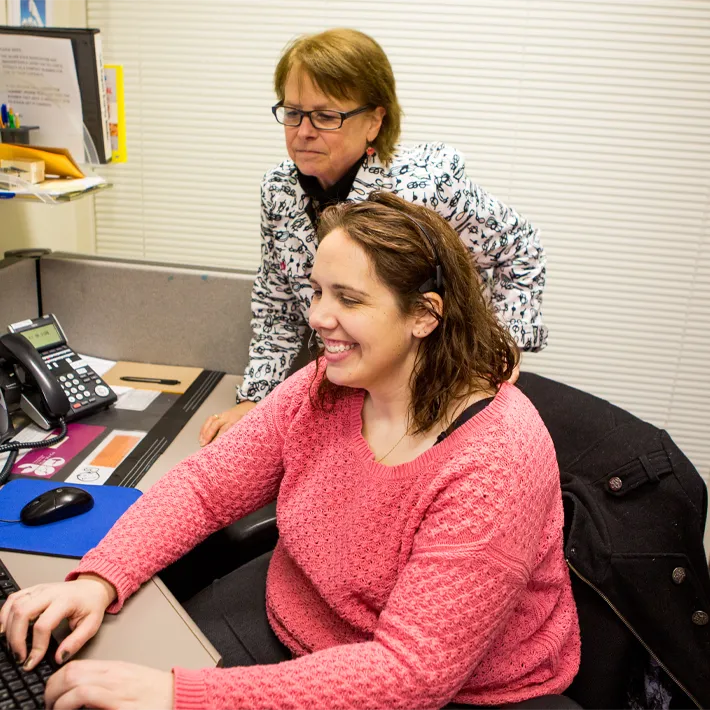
pixel 635 511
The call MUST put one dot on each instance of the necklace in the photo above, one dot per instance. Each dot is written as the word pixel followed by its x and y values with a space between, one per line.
pixel 399 441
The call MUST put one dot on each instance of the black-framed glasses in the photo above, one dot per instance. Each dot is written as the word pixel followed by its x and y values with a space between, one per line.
pixel 322 119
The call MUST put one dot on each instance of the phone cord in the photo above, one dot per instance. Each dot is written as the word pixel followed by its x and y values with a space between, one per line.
pixel 14 446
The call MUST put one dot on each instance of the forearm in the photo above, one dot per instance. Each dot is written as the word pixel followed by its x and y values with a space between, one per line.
pixel 271 353
pixel 111 593
pixel 506 249
pixel 512 263
pixel 202 494
pixel 517 285
pixel 278 322
pixel 158 529
pixel 365 675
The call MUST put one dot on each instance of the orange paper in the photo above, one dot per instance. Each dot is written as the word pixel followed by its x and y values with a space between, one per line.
pixel 115 451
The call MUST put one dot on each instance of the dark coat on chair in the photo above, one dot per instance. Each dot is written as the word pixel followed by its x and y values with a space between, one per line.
pixel 635 510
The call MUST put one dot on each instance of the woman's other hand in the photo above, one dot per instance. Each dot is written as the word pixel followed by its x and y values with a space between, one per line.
pixel 109 685
pixel 83 602
pixel 219 423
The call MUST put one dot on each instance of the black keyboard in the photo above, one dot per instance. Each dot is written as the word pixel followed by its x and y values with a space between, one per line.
pixel 18 688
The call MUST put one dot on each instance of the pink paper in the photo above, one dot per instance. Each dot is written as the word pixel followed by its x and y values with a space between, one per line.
pixel 44 463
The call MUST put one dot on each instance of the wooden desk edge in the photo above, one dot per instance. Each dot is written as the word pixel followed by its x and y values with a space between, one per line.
pixel 199 636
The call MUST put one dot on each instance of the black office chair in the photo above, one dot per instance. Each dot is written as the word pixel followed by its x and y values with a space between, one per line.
pixel 617 474
pixel 635 512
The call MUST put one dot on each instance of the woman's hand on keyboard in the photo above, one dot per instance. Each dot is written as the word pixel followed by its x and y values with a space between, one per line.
pixel 83 602
pixel 108 685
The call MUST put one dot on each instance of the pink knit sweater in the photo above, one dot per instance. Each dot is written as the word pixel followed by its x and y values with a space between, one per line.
pixel 395 587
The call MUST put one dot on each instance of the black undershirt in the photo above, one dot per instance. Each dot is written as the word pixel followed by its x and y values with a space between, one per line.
pixel 321 198
pixel 462 418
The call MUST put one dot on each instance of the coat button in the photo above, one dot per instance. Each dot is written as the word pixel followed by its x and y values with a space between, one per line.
pixel 700 618
pixel 678 575
pixel 615 484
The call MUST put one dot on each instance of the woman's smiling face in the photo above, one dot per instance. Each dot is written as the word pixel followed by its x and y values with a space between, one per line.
pixel 369 342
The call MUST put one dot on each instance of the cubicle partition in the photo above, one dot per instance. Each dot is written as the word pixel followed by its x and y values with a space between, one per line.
pixel 18 291
pixel 133 310
pixel 126 310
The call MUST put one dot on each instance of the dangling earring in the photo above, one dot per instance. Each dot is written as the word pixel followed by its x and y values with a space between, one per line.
pixel 370 151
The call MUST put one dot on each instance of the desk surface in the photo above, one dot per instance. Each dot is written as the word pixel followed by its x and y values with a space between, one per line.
pixel 152 629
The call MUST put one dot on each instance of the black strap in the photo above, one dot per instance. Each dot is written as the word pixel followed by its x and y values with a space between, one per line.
pixel 462 418
pixel 639 471
pixel 651 471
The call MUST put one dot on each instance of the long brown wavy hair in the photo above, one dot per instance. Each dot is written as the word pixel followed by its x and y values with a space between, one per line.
pixel 469 351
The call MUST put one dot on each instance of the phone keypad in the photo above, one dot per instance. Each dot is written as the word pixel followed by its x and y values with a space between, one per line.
pixel 82 385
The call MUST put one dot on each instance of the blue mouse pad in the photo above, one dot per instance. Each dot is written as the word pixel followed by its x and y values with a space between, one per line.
pixel 72 537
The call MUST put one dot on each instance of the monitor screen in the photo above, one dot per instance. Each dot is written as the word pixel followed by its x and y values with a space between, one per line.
pixel 43 336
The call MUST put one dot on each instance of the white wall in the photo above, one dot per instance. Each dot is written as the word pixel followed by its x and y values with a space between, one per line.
pixel 65 227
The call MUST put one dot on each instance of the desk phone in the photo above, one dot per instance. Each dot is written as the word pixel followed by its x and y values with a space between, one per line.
pixel 86 391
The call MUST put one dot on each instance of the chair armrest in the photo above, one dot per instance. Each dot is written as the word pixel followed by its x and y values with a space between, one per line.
pixel 222 552
pixel 256 530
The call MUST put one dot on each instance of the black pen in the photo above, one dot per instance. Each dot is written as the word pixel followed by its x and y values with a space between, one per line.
pixel 150 380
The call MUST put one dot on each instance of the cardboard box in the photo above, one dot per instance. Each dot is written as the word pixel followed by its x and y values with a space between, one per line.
pixel 29 170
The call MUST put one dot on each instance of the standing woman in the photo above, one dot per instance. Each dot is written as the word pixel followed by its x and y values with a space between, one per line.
pixel 420 519
pixel 338 105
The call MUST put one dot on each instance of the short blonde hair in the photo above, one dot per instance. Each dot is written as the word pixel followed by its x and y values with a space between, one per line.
pixel 347 64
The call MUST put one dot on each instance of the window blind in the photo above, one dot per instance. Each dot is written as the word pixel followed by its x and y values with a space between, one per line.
pixel 591 118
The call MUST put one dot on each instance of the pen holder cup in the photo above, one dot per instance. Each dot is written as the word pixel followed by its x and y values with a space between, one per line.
pixel 18 136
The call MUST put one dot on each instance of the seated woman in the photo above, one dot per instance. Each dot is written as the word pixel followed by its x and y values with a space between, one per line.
pixel 338 105
pixel 418 501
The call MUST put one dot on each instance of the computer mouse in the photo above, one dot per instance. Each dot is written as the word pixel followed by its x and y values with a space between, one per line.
pixel 57 504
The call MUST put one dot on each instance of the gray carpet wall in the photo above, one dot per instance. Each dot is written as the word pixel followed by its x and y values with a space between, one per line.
pixel 18 294
pixel 145 312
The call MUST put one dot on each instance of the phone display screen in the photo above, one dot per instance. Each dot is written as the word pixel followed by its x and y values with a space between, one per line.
pixel 43 336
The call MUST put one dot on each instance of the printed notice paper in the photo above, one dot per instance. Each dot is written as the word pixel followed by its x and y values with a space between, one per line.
pixel 38 80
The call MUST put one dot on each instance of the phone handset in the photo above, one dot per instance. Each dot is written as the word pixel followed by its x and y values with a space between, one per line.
pixel 42 399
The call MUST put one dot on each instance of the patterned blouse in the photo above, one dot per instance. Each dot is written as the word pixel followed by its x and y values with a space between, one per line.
pixel 507 250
